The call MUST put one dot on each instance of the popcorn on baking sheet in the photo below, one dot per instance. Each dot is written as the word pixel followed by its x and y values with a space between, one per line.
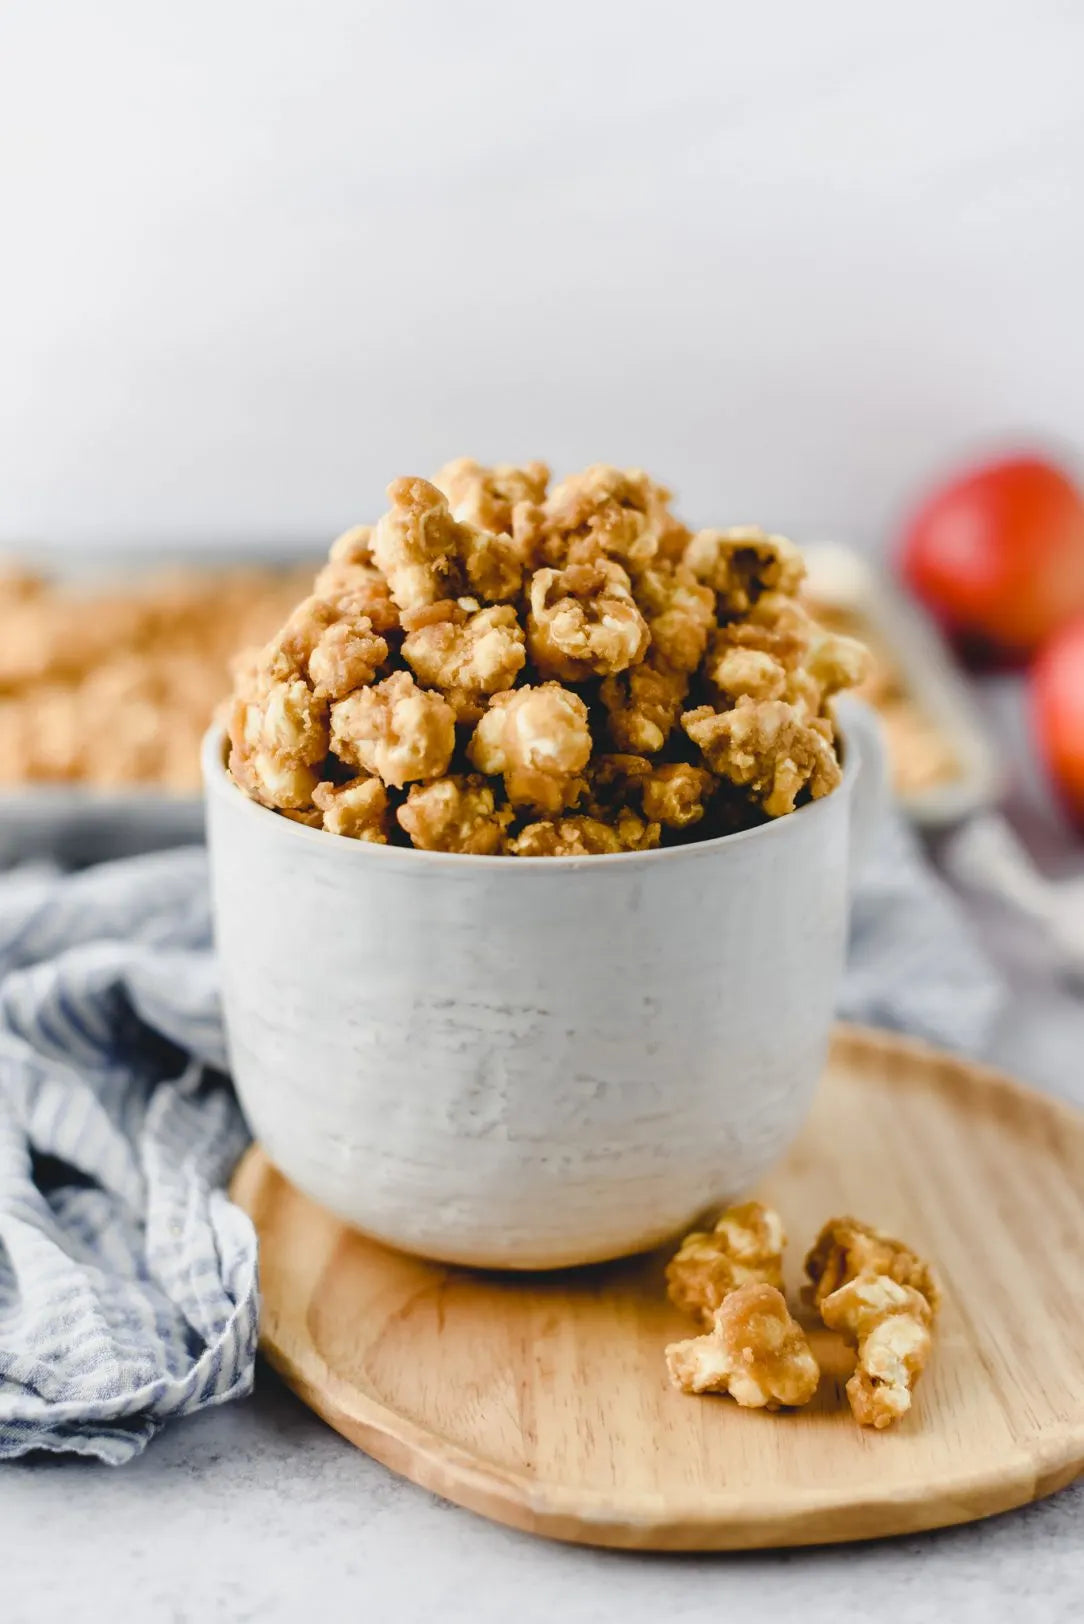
pixel 754 1351
pixel 744 1245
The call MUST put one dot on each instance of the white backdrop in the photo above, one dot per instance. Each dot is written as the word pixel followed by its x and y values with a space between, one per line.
pixel 258 258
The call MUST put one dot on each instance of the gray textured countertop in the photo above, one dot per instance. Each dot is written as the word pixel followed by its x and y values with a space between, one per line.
pixel 260 1512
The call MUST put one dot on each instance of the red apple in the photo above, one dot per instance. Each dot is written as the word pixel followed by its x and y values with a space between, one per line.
pixel 1057 705
pixel 998 555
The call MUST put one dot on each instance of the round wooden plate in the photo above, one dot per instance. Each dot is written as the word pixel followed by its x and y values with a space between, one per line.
pixel 542 1400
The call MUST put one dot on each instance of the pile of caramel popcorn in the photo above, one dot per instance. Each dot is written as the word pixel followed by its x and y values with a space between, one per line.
pixel 116 687
pixel 866 1285
pixel 497 666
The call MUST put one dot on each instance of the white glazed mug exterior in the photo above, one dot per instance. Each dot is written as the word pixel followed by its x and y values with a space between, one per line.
pixel 529 1063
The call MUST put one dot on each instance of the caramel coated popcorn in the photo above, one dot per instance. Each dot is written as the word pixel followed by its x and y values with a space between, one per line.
pixel 278 732
pixel 465 651
pixel 877 1293
pixel 743 563
pixel 358 808
pixel 584 622
pixel 116 686
pixel 754 1351
pixel 489 497
pixel 395 730
pixel 921 755
pixel 745 1246
pixel 427 555
pixel 890 1324
pixel 846 1247
pixel 539 741
pixel 533 671
pixel 460 813
pixel 883 1297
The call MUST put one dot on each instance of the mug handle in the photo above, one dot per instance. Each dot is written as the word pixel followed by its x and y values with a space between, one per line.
pixel 863 733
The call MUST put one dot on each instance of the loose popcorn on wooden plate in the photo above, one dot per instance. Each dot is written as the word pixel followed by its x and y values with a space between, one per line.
pixel 754 1351
pixel 883 1298
pixel 745 1245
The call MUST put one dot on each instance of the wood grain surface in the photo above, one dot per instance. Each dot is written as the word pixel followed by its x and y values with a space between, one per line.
pixel 542 1400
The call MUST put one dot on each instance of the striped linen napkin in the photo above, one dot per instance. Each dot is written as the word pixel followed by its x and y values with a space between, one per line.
pixel 128 1282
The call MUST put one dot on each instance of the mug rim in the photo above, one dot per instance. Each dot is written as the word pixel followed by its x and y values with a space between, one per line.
pixel 217 781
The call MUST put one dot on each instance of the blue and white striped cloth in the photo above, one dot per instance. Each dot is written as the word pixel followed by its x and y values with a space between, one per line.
pixel 128 1283
pixel 128 1287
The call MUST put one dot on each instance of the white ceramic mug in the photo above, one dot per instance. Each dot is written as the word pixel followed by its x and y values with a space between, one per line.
pixel 531 1062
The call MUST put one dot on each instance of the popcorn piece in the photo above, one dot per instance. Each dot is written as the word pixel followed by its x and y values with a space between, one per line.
pixel 776 625
pixel 278 733
pixel 488 497
pixel 614 790
pixel 359 589
pixel 778 652
pixel 680 613
pixel 584 622
pixel 755 1352
pixel 348 656
pixel 310 816
pixel 643 704
pixel 846 1248
pixel 469 655
pixel 676 795
pixel 357 809
pixel 890 1323
pixel 617 778
pixel 289 651
pixel 740 564
pixel 455 814
pixel 769 748
pixel 396 730
pixel 836 662
pixel 745 673
pixel 608 512
pixel 354 546
pixel 427 555
pixel 539 740
pixel 746 1245
pixel 328 643
pixel 633 832
pixel 566 837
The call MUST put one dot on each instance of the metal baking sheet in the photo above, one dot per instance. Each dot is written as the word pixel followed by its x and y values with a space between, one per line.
pixel 73 824
pixel 843 578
